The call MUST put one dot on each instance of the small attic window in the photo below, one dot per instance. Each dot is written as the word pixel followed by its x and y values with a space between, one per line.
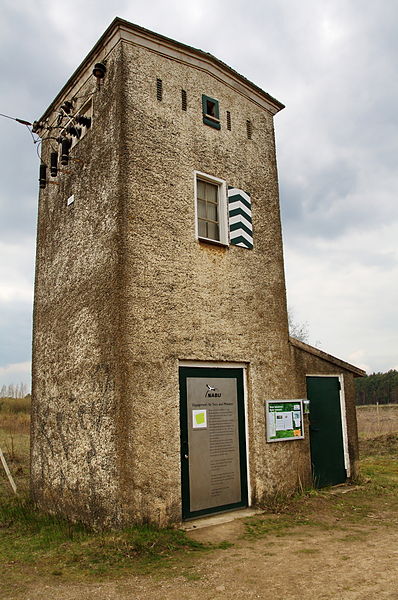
pixel 211 112
pixel 159 89
pixel 183 100
pixel 228 120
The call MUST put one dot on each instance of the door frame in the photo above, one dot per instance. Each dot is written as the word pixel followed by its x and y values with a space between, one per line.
pixel 226 365
pixel 343 412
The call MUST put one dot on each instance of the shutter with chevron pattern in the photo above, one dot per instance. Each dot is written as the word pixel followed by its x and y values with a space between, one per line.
pixel 240 218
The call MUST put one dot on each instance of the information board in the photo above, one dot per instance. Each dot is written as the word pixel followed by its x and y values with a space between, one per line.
pixel 213 436
pixel 284 420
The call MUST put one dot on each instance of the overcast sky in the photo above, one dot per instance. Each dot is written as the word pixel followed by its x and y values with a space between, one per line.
pixel 333 63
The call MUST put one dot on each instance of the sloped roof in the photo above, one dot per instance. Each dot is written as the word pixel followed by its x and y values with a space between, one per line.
pixel 121 29
pixel 357 372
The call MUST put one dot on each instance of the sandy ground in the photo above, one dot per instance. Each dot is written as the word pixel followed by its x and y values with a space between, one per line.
pixel 308 563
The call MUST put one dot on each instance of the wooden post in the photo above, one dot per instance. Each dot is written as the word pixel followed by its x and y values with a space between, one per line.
pixel 7 470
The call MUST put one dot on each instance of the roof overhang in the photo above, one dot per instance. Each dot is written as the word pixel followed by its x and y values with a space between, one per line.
pixel 121 30
pixel 327 357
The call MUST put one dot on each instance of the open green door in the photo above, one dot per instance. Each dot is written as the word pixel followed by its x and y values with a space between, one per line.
pixel 326 432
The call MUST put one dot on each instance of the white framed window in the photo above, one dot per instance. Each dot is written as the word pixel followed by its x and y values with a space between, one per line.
pixel 211 209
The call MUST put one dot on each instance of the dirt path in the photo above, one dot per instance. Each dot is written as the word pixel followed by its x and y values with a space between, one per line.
pixel 307 563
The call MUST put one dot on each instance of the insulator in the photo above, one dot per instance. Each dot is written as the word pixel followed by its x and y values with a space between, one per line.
pixel 65 147
pixel 43 176
pixel 75 131
pixel 54 164
pixel 67 106
pixel 36 126
pixel 99 71
pixel 83 121
pixel 23 122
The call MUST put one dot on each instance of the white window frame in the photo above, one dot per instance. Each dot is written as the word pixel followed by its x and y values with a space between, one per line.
pixel 222 207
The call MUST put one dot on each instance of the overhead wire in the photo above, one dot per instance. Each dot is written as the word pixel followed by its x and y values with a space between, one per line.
pixel 31 133
pixel 37 149
pixel 60 124
pixel 22 121
pixel 37 141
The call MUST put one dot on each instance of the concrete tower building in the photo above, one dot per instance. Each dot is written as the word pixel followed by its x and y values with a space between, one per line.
pixel 160 321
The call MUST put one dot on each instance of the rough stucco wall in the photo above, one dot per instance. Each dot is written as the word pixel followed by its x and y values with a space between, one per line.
pixel 304 364
pixel 124 292
pixel 76 322
pixel 187 300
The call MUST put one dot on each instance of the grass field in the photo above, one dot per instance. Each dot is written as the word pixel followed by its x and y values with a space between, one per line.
pixel 14 442
pixel 53 546
pixel 47 546
pixel 374 421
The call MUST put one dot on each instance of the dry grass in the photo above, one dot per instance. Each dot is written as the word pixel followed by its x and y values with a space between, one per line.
pixel 14 442
pixel 15 415
pixel 374 421
pixel 15 423
pixel 42 547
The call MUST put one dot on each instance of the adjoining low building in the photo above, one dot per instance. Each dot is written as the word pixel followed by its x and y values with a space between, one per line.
pixel 165 385
pixel 328 383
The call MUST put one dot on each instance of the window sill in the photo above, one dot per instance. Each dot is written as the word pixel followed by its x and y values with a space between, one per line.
pixel 211 118
pixel 211 123
pixel 204 240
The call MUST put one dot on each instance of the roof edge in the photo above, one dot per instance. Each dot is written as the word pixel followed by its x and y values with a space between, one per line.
pixel 118 24
pixel 328 357
pixel 207 55
pixel 87 59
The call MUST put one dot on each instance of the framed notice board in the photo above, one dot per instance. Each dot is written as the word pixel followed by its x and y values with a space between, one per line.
pixel 284 420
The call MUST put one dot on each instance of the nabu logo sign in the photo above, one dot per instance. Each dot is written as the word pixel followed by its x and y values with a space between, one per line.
pixel 212 392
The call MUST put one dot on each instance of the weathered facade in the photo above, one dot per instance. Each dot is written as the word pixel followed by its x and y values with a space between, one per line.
pixel 141 274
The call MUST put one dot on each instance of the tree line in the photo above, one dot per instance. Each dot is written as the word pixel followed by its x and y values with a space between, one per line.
pixel 20 390
pixel 379 388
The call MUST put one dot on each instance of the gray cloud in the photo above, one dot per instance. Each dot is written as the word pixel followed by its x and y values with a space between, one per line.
pixel 15 325
pixel 333 64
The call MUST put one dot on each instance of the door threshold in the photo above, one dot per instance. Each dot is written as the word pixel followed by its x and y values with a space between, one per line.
pixel 219 518
pixel 343 488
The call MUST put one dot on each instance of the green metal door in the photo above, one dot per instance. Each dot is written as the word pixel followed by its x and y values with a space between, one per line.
pixel 213 441
pixel 326 433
